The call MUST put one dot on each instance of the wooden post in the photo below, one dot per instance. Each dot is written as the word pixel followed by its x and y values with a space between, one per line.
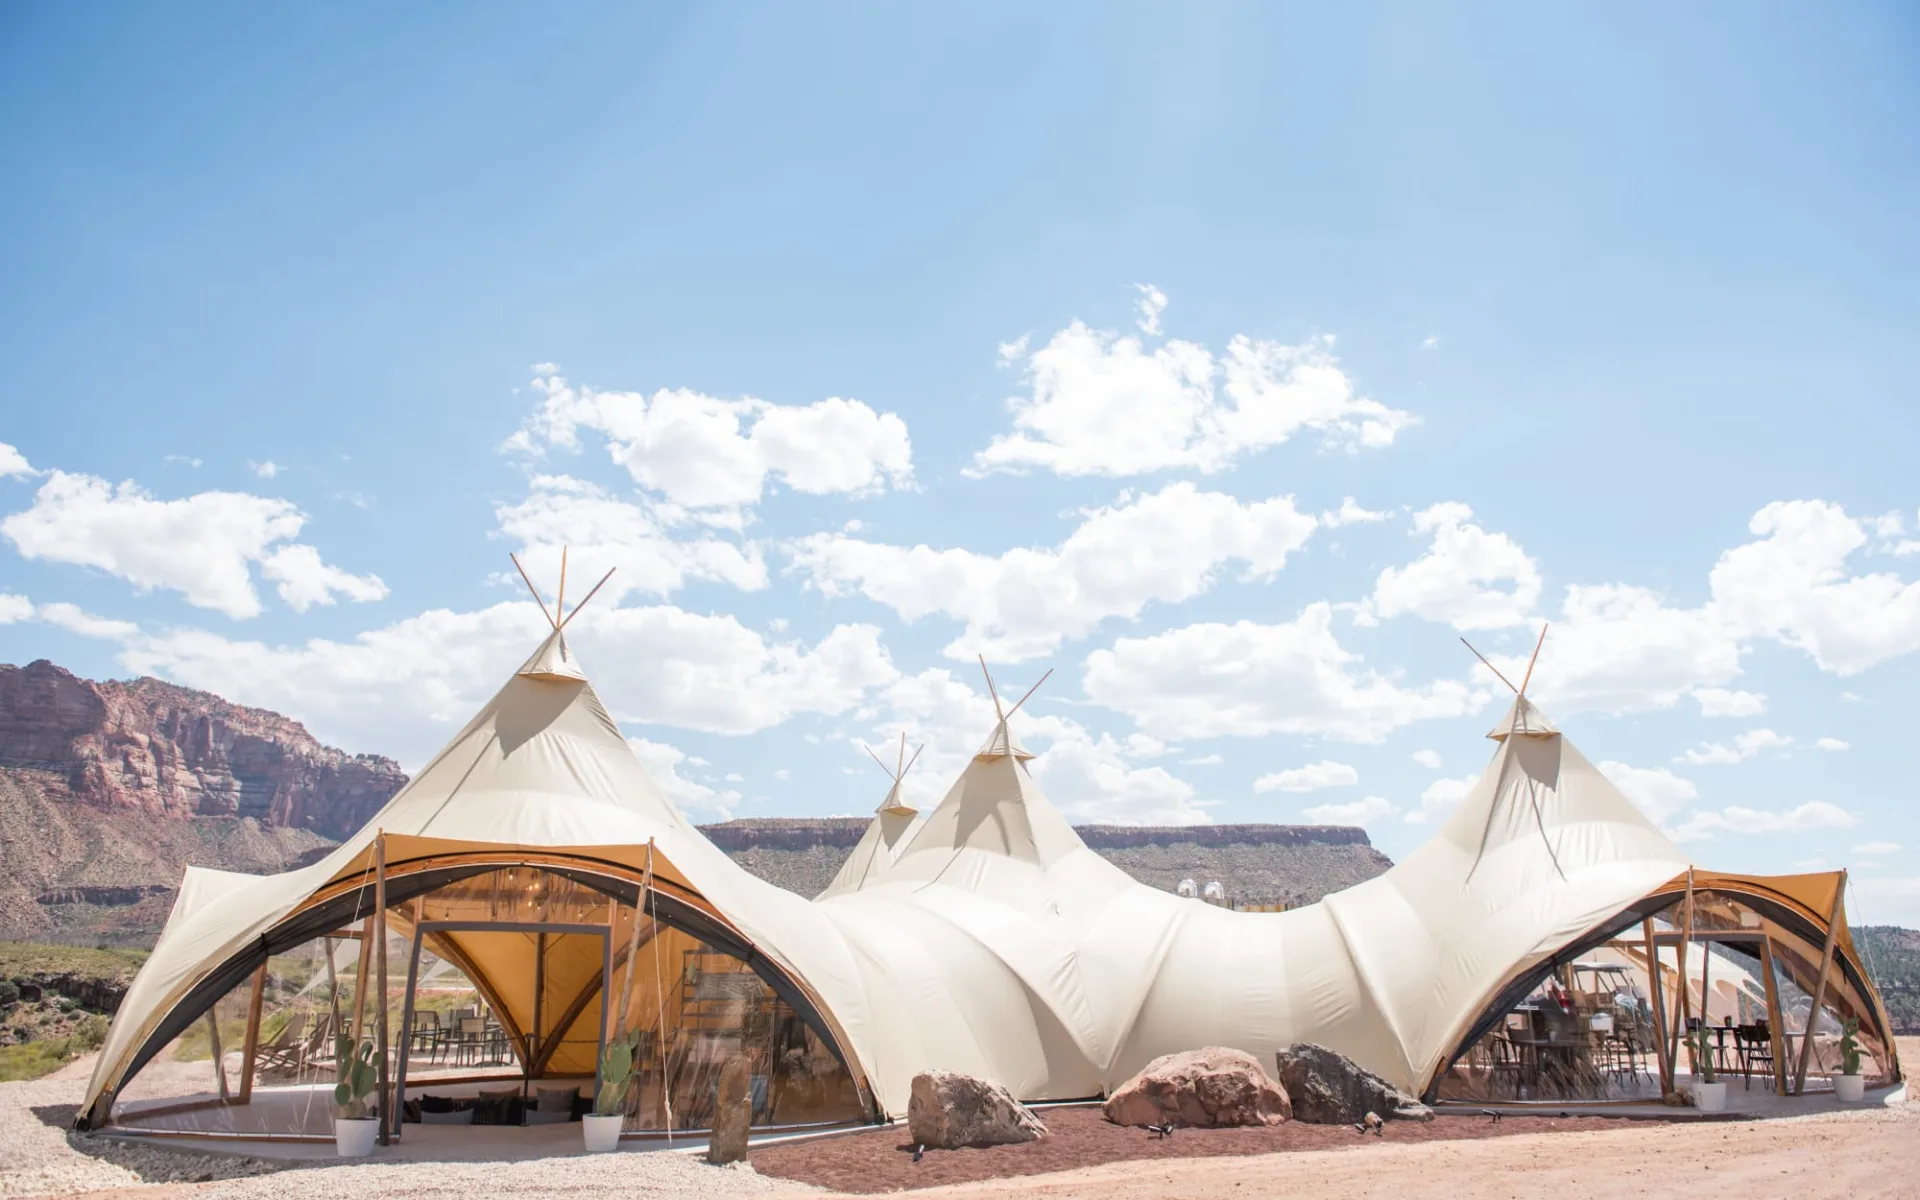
pixel 1820 984
pixel 1776 1029
pixel 360 974
pixel 219 1055
pixel 536 1039
pixel 253 1033
pixel 1658 1003
pixel 380 959
pixel 1685 1000
pixel 333 996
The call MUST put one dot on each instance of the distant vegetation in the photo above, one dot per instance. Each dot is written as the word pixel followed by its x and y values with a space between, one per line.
pixel 1893 959
pixel 54 1002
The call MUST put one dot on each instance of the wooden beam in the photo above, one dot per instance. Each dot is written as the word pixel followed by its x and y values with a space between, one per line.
pixel 1776 1020
pixel 1820 985
pixel 1685 1001
pixel 219 1055
pixel 1661 1055
pixel 384 1109
pixel 360 974
pixel 253 1032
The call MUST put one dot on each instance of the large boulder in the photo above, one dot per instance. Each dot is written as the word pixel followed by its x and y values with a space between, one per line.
pixel 1214 1086
pixel 1328 1088
pixel 947 1111
pixel 732 1113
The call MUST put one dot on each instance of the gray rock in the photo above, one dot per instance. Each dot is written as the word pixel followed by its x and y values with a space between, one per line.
pixel 947 1111
pixel 1328 1088
pixel 1211 1087
pixel 732 1114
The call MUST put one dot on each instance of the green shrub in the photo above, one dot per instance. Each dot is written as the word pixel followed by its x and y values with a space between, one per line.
pixel 9 991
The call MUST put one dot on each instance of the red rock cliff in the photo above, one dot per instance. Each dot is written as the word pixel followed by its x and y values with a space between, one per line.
pixel 174 752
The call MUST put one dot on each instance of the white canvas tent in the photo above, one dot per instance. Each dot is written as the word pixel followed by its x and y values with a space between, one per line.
pixel 986 938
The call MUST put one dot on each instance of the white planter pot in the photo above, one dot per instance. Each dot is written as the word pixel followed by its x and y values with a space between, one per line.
pixel 353 1136
pixel 1850 1089
pixel 1710 1097
pixel 601 1133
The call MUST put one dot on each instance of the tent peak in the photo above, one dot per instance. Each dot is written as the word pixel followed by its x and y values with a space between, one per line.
pixel 559 617
pixel 894 803
pixel 1001 743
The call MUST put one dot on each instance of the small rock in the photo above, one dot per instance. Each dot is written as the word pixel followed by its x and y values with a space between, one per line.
pixel 1328 1088
pixel 732 1114
pixel 947 1111
pixel 1216 1086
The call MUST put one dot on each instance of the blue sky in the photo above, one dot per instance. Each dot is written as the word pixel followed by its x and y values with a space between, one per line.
pixel 1602 319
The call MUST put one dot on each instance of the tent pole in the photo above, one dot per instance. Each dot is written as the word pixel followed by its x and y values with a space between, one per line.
pixel 1685 1005
pixel 253 1032
pixel 1820 985
pixel 406 1028
pixel 219 1056
pixel 380 968
pixel 1775 1019
pixel 360 974
pixel 1659 1006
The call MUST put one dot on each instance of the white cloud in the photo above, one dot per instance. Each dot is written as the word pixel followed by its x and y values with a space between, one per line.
pixel 12 462
pixel 1163 547
pixel 1792 586
pixel 601 531
pixel 1310 778
pixel 1150 305
pixel 1090 780
pixel 1468 578
pixel 1364 811
pixel 1621 649
pixel 1655 791
pixel 1101 404
pixel 202 546
pixel 1440 798
pixel 1013 351
pixel 1350 513
pixel 1829 743
pixel 75 619
pixel 1430 342
pixel 1814 814
pixel 1205 760
pixel 716 457
pixel 1430 759
pixel 1250 680
pixel 1719 702
pixel 1876 848
pixel 265 470
pixel 697 800
pixel 14 608
pixel 1742 748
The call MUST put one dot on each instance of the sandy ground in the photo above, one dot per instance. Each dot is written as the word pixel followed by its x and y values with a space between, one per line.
pixel 1831 1156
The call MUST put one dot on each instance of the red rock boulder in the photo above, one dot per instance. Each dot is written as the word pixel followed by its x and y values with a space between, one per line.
pixel 1200 1088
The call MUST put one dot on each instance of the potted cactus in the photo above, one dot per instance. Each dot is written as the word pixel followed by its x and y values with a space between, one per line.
pixel 1850 1086
pixel 601 1127
pixel 1709 1092
pixel 357 1074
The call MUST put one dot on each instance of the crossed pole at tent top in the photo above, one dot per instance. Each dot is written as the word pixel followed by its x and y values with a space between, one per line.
pixel 559 617
pixel 994 691
pixel 1506 756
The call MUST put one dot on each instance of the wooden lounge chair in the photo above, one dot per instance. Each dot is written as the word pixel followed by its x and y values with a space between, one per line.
pixel 286 1050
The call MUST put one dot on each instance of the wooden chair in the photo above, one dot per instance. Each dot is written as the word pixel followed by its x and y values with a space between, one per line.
pixel 425 1034
pixel 1755 1045
pixel 287 1050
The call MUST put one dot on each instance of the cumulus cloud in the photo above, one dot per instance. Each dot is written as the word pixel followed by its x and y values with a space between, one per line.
pixel 1430 759
pixel 1164 547
pixel 1440 798
pixel 1814 814
pixel 1150 305
pixel 1831 743
pixel 1365 811
pixel 1655 791
pixel 1350 513
pixel 1719 702
pixel 74 619
pixel 1468 578
pixel 601 531
pixel 1090 779
pixel 265 470
pixel 697 800
pixel 1877 848
pixel 1250 680
pixel 14 608
pixel 203 546
pixel 1100 403
pixel 12 462
pixel 1792 585
pixel 716 457
pixel 1742 748
pixel 1310 778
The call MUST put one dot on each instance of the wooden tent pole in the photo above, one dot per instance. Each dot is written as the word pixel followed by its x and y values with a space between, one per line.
pixel 1659 1005
pixel 1775 1018
pixel 360 974
pixel 380 968
pixel 333 993
pixel 219 1055
pixel 1686 987
pixel 253 1032
pixel 1820 984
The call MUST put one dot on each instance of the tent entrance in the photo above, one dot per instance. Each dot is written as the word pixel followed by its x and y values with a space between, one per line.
pixel 466 1037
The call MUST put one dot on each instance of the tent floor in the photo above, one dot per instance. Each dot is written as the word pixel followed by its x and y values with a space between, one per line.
pixel 294 1123
pixel 1742 1104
